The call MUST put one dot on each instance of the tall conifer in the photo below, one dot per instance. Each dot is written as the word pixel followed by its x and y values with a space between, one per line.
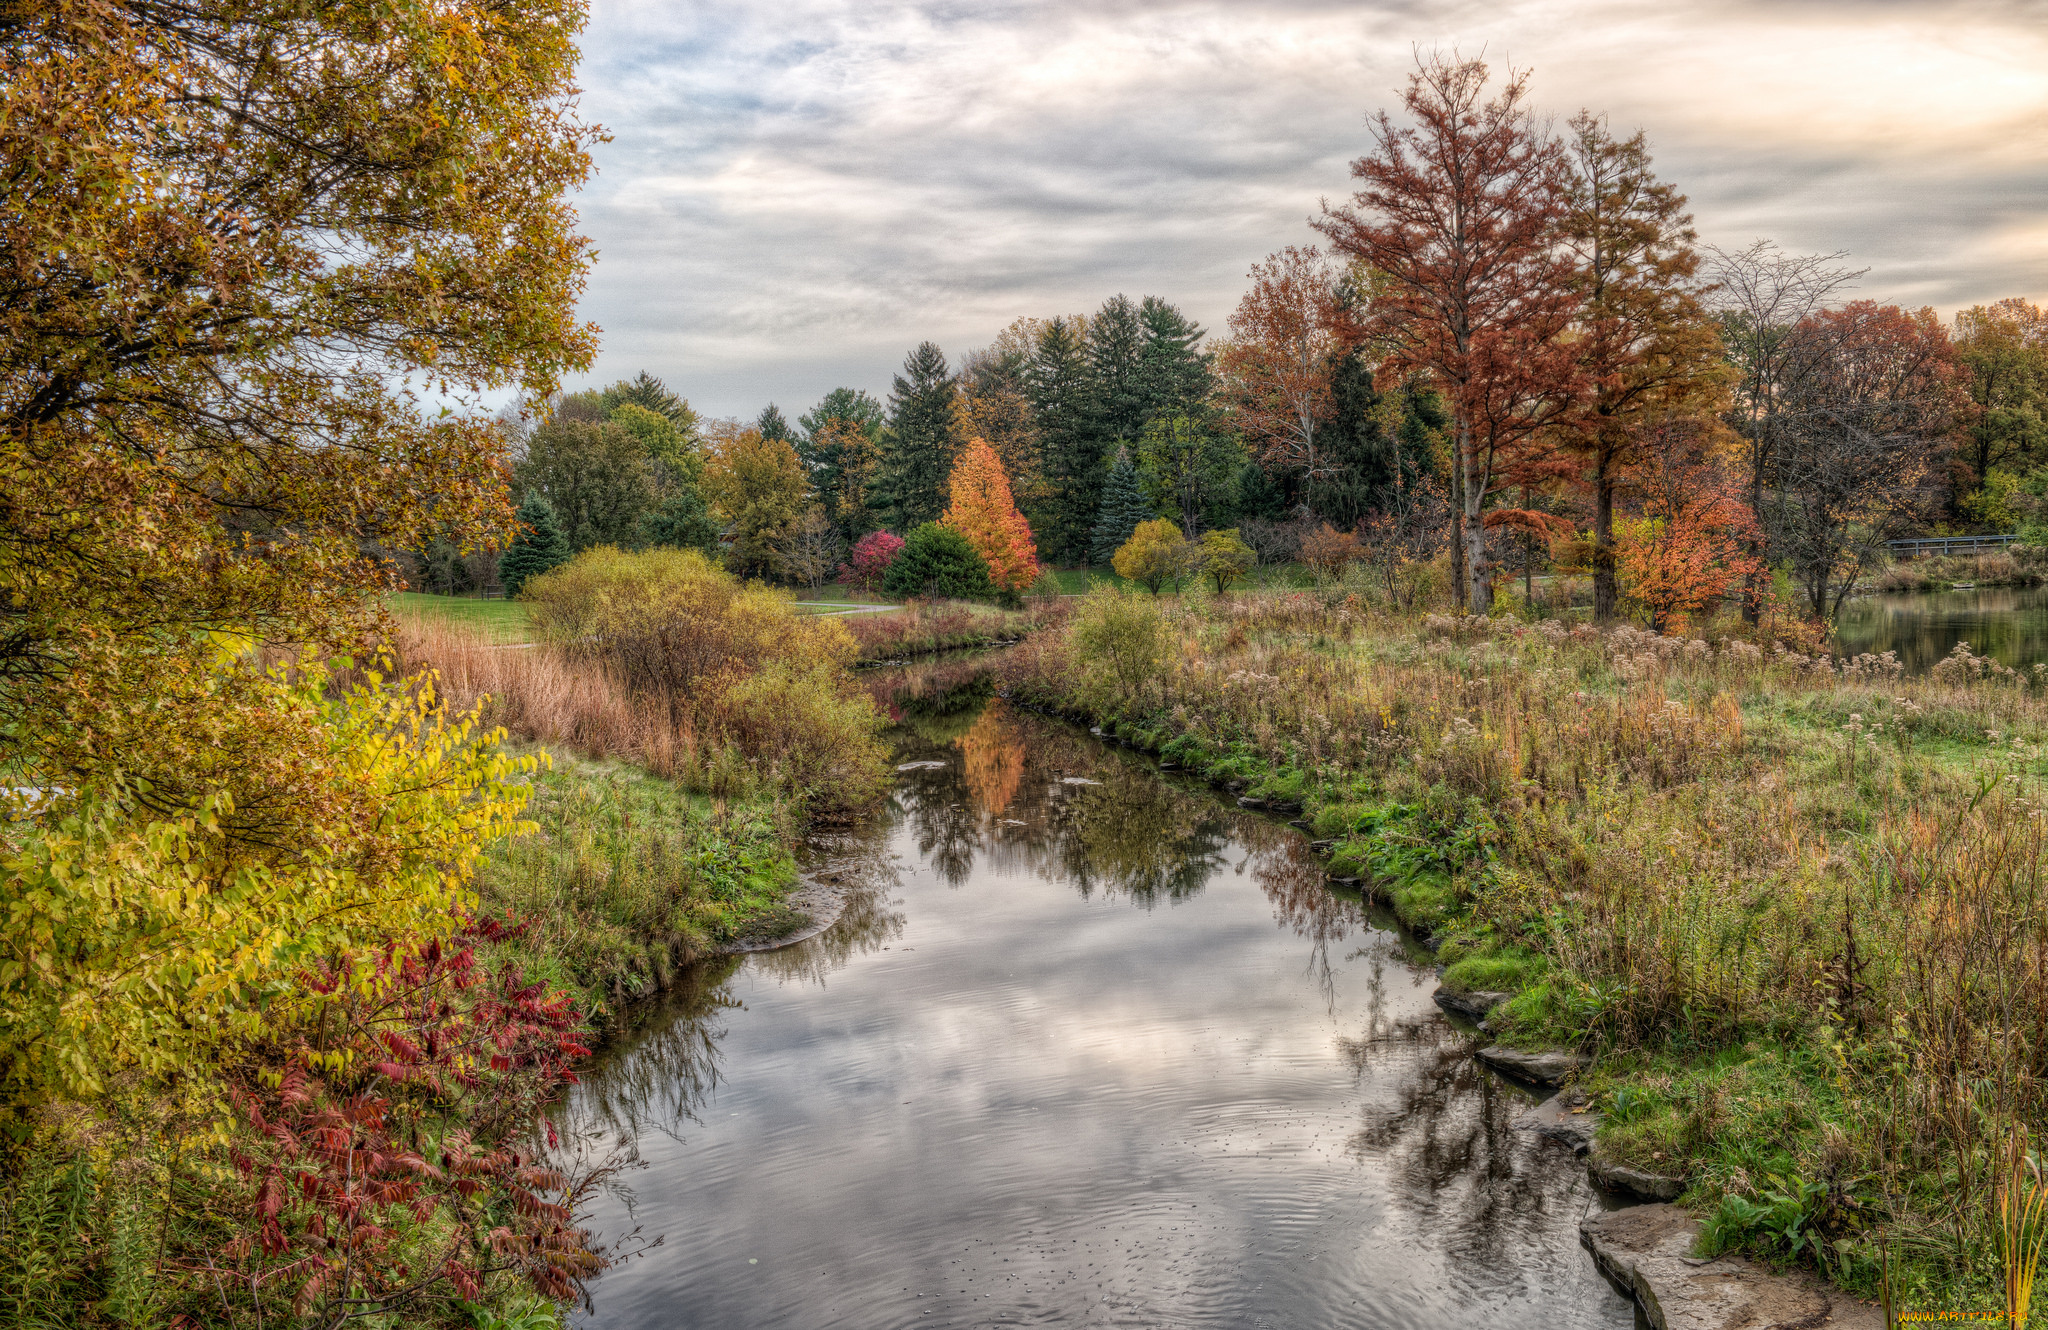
pixel 1123 507
pixel 1173 376
pixel 1061 397
pixel 917 450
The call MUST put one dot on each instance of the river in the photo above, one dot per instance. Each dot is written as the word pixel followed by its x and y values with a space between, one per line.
pixel 2009 624
pixel 1090 1047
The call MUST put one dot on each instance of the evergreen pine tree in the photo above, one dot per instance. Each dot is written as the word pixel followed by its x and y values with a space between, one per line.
pixel 644 390
pixel 773 425
pixel 1116 340
pixel 1173 376
pixel 1359 443
pixel 1258 498
pixel 917 450
pixel 1123 507
pixel 1069 453
pixel 539 546
pixel 681 520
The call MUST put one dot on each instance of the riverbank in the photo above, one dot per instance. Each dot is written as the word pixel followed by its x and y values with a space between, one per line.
pixel 629 876
pixel 1783 904
pixel 2016 565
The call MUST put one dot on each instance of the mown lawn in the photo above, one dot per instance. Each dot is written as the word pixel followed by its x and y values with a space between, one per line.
pixel 502 620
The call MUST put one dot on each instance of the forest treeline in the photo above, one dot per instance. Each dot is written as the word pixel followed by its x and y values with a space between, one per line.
pixel 1576 381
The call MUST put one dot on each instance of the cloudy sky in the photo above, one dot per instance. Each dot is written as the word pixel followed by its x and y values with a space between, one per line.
pixel 798 191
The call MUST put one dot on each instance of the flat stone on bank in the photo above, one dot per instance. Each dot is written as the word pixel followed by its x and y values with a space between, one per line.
pixel 1560 1122
pixel 1547 1067
pixel 1636 1182
pixel 1646 1249
pixel 1472 1006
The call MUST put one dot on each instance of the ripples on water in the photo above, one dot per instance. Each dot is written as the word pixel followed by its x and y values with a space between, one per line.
pixel 1089 1049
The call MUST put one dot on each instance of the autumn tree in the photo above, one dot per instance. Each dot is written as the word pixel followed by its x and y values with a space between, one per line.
pixel 1648 349
pixel 2003 350
pixel 983 510
pixel 1762 295
pixel 757 490
pixel 909 483
pixel 1276 370
pixel 994 403
pixel 1225 559
pixel 1457 219
pixel 1156 553
pixel 1690 543
pixel 234 234
pixel 1857 437
pixel 841 443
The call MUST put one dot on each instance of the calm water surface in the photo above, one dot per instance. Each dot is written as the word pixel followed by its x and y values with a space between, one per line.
pixel 1090 1049
pixel 2010 623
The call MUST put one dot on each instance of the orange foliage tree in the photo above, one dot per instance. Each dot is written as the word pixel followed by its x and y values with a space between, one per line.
pixel 1691 544
pixel 983 510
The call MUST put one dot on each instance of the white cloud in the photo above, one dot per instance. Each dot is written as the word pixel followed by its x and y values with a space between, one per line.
pixel 797 194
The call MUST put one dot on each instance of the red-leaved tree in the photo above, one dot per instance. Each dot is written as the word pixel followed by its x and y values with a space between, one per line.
pixel 1458 218
pixel 983 510
pixel 1693 542
pixel 868 562
pixel 1276 367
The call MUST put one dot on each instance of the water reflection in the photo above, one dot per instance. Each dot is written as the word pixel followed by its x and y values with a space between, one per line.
pixel 1089 1048
pixel 2010 623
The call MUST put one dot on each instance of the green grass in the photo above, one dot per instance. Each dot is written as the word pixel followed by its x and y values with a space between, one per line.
pixel 502 620
pixel 630 875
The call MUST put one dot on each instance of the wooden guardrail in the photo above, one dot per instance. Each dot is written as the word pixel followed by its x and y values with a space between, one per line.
pixel 1914 548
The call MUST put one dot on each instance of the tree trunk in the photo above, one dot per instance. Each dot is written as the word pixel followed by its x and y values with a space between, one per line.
pixel 1528 562
pixel 1458 591
pixel 1475 565
pixel 1604 595
pixel 1478 585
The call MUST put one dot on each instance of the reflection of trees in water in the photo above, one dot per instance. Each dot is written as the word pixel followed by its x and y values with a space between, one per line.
pixel 657 1074
pixel 1448 1138
pixel 2008 623
pixel 657 1071
pixel 992 760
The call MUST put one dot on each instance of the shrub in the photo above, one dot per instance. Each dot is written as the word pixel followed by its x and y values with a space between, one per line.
pixel 814 739
pixel 660 657
pixel 1328 551
pixel 1120 638
pixel 668 619
pixel 1155 554
pixel 869 561
pixel 938 561
pixel 1225 559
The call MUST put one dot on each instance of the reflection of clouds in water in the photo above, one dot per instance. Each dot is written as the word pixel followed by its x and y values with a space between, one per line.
pixel 656 1074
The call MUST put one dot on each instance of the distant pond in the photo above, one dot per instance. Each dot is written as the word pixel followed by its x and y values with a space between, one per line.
pixel 2009 623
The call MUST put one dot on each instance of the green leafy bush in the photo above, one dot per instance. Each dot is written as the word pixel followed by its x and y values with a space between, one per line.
pixel 937 561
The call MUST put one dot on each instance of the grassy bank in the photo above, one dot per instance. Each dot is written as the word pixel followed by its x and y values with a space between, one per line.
pixel 921 628
pixel 2016 565
pixel 1790 906
pixel 630 876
